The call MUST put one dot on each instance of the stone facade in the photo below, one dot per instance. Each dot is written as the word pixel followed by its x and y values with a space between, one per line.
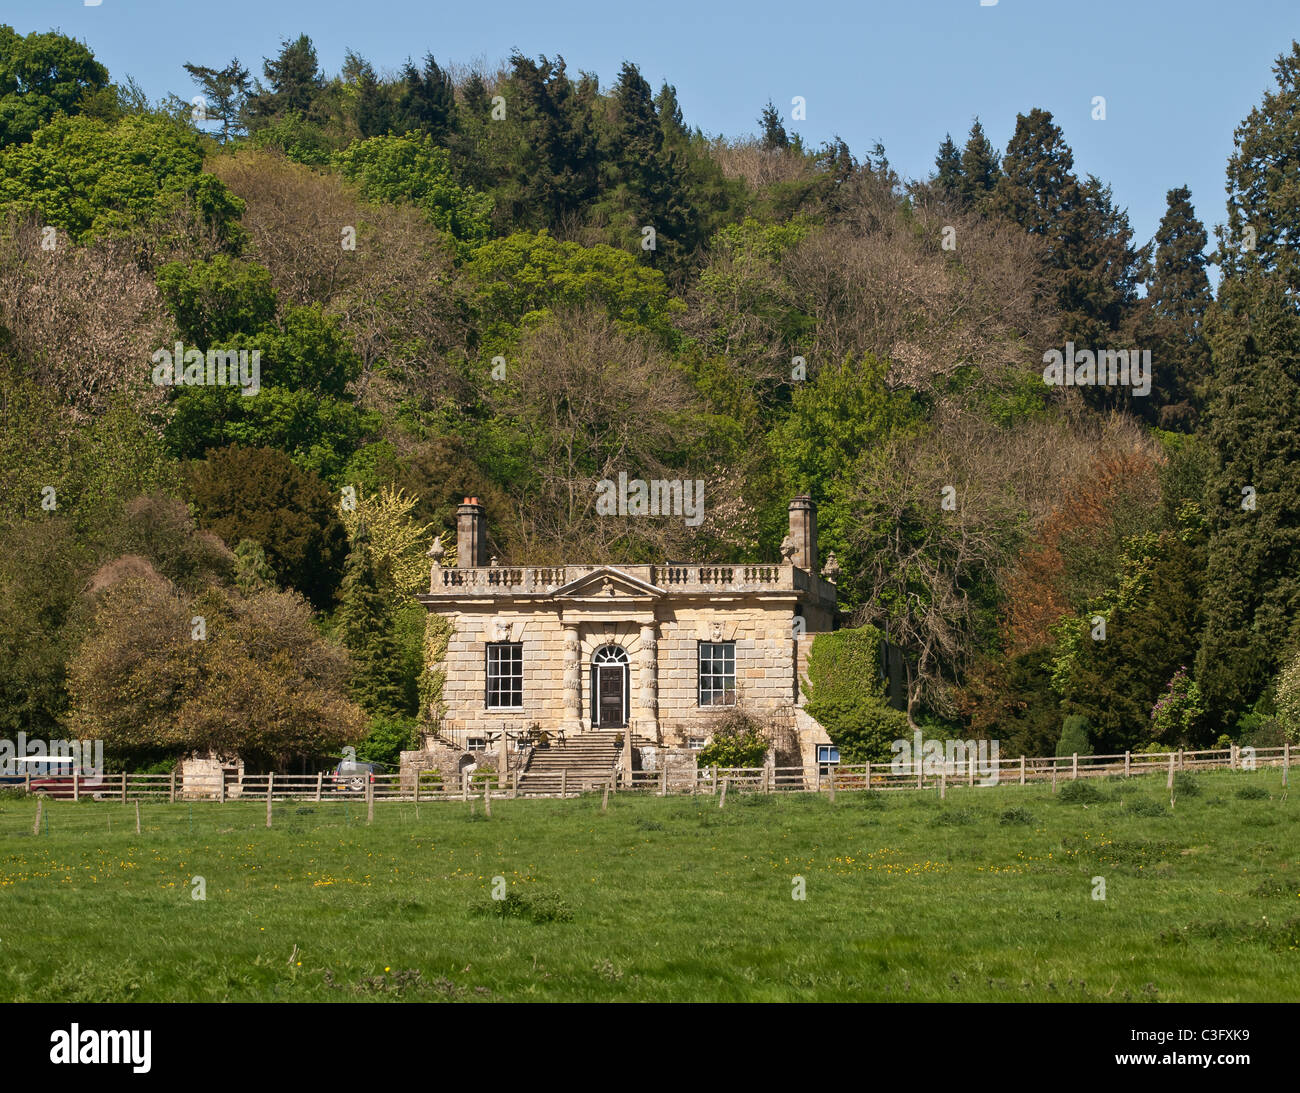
pixel 606 647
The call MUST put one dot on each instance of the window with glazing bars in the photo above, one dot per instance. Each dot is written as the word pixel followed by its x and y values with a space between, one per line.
pixel 717 673
pixel 505 674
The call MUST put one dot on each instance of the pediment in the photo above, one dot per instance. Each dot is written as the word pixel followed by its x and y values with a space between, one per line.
pixel 606 582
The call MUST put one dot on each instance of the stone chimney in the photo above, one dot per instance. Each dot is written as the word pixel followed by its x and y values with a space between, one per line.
pixel 471 535
pixel 803 532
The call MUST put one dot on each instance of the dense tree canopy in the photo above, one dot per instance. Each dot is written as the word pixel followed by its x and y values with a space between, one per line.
pixel 517 283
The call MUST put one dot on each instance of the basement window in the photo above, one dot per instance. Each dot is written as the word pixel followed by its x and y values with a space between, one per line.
pixel 695 743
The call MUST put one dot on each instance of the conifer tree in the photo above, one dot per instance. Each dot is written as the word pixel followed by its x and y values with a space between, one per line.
pixel 1087 240
pixel 425 100
pixel 1171 322
pixel 774 135
pixel 224 91
pixel 367 628
pixel 557 174
pixel 947 163
pixel 1252 610
pixel 980 165
pixel 294 79
pixel 374 102
pixel 652 174
pixel 1264 184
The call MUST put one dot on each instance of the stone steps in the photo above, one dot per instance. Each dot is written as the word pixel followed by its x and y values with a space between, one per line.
pixel 583 761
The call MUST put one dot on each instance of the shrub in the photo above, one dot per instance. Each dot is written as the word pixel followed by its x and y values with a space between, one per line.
pixel 1185 785
pixel 863 729
pixel 1252 793
pixel 955 817
pixel 1288 700
pixel 1178 711
pixel 1079 793
pixel 387 739
pixel 1144 806
pixel 1020 815
pixel 1075 738
pixel 736 740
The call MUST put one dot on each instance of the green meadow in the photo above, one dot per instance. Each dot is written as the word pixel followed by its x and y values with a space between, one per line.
pixel 987 895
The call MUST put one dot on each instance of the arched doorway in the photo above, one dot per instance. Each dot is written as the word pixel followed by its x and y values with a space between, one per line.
pixel 609 687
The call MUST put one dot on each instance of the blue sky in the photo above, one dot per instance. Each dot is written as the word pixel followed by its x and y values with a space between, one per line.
pixel 1177 75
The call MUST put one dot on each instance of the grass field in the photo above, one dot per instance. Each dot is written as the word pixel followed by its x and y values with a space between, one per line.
pixel 986 896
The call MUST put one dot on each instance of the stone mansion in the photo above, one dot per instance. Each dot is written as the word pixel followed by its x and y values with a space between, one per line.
pixel 657 649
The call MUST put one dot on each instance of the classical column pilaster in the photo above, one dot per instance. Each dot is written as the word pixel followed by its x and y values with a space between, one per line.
pixel 572 680
pixel 648 720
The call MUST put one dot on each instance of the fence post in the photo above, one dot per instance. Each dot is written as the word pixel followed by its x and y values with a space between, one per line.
pixel 137 815
pixel 418 772
pixel 920 774
pixel 27 783
pixel 487 798
pixel 663 779
pixel 1286 761
pixel 76 792
pixel 1171 770
pixel 270 786
pixel 604 797
pixel 1128 759
pixel 221 790
pixel 722 797
pixel 1232 756
pixel 40 808
pixel 1074 776
pixel 370 799
pixel 171 793
pixel 1022 770
pixel 868 777
pixel 970 770
pixel 515 774
pixel 320 783
pixel 831 785
pixel 564 785
pixel 1053 774
pixel 124 787
pixel 943 781
pixel 1182 765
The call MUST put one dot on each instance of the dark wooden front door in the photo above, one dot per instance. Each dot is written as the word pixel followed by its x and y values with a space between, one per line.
pixel 611 697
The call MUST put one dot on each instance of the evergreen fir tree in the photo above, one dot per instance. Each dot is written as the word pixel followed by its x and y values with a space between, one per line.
pixel 1252 608
pixel 557 172
pixel 980 166
pixel 426 101
pixel 374 103
pixel 1087 240
pixel 651 173
pixel 948 177
pixel 774 135
pixel 295 81
pixel 1264 185
pixel 1171 320
pixel 367 627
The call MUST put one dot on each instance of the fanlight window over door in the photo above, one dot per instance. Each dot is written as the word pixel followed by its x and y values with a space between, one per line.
pixel 609 687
